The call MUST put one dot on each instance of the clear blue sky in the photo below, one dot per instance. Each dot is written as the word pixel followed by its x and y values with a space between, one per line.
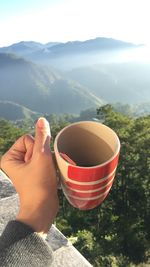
pixel 14 5
pixel 64 20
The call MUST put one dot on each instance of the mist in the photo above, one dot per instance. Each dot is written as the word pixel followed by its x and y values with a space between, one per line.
pixel 76 60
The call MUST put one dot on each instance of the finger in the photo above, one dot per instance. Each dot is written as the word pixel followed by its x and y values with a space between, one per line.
pixel 29 146
pixel 21 146
pixel 42 136
pixel 16 154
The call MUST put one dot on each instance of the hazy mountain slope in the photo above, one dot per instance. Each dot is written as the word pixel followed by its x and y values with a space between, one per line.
pixel 71 54
pixel 41 89
pixel 74 54
pixel 122 82
pixel 24 48
pixel 57 49
pixel 100 43
pixel 13 111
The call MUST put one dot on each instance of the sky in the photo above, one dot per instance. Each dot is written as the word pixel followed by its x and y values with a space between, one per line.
pixel 69 20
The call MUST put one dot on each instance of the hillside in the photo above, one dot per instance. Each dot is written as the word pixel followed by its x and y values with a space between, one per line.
pixel 41 89
pixel 73 76
pixel 13 111
pixel 116 82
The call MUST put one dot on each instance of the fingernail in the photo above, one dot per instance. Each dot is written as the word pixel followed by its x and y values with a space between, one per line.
pixel 43 123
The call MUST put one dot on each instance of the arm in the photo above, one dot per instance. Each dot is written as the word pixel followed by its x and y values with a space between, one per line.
pixel 21 246
pixel 30 167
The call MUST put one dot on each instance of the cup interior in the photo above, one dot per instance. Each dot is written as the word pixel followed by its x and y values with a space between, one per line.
pixel 88 143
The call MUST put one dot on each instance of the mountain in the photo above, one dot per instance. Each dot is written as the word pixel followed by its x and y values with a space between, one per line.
pixel 22 48
pixel 73 76
pixel 74 54
pixel 78 47
pixel 100 43
pixel 41 89
pixel 25 48
pixel 71 54
pixel 13 111
pixel 116 82
pixel 57 49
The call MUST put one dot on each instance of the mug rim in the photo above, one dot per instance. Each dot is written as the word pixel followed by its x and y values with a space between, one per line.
pixel 91 167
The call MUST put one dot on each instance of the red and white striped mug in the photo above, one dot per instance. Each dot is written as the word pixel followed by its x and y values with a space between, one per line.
pixel 87 157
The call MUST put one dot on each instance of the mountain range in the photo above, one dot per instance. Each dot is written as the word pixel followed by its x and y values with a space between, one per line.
pixel 70 54
pixel 56 49
pixel 70 77
pixel 24 48
pixel 41 89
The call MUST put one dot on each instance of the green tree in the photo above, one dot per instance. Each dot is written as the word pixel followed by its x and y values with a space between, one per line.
pixel 8 135
pixel 120 226
pixel 116 233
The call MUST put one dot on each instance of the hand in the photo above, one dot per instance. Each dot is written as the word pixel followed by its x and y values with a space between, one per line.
pixel 30 167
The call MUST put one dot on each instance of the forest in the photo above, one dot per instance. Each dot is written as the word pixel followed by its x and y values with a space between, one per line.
pixel 116 233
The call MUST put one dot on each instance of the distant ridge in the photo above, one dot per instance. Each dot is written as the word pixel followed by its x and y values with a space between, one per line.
pixel 25 47
pixel 99 43
pixel 52 53
pixel 70 46
pixel 13 111
pixel 73 76
pixel 65 56
pixel 41 89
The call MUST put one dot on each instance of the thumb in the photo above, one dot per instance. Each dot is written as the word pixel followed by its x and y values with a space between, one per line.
pixel 42 136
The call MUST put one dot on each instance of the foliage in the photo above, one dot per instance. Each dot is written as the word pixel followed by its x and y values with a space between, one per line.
pixel 117 233
pixel 8 135
pixel 120 226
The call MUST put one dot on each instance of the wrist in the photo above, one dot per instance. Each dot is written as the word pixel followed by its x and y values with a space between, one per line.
pixel 38 218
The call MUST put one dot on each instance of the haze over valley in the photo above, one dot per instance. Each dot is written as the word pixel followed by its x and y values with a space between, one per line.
pixel 71 77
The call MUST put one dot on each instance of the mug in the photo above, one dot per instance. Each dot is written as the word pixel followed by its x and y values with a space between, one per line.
pixel 87 156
